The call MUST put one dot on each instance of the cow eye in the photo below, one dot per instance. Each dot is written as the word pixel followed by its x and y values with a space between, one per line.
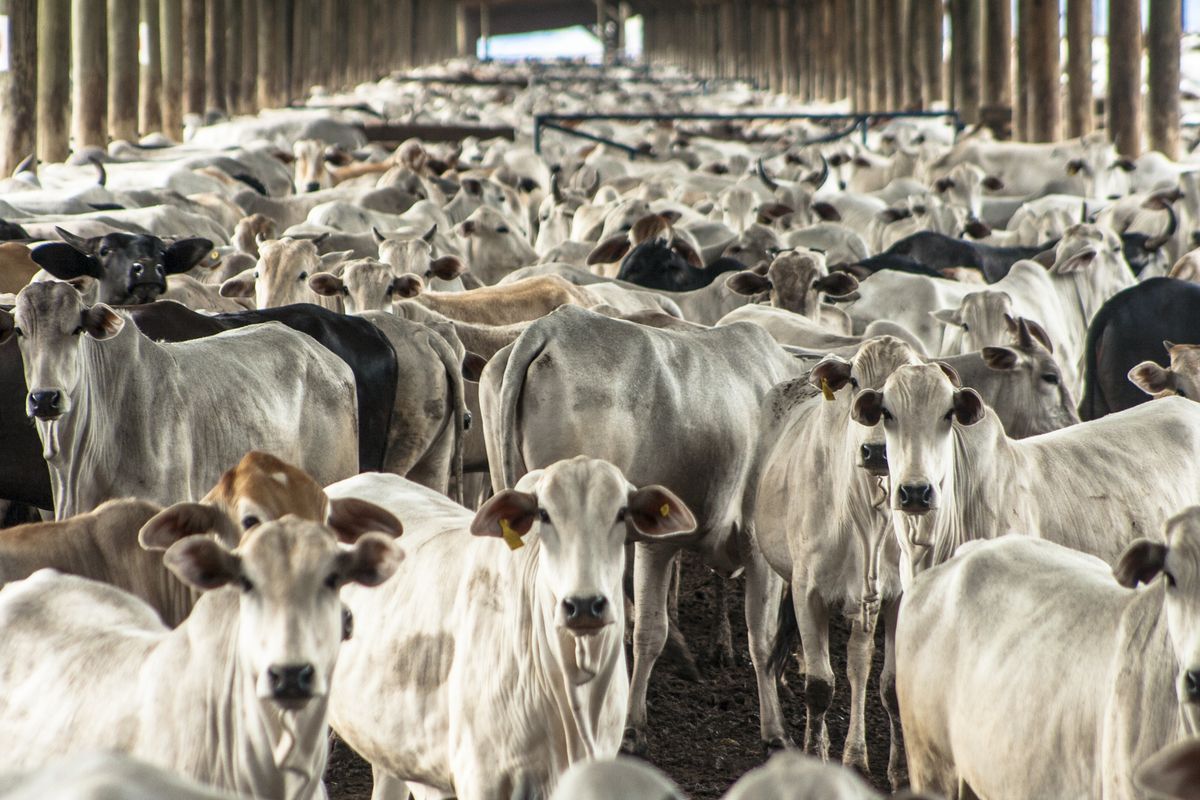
pixel 1170 579
pixel 18 332
pixel 249 521
pixel 104 251
pixel 1050 378
pixel 77 331
pixel 949 415
pixel 303 276
pixel 621 515
pixel 886 414
pixel 853 382
pixel 245 584
pixel 333 582
pixel 1180 393
pixel 502 229
pixel 544 515
pixel 966 327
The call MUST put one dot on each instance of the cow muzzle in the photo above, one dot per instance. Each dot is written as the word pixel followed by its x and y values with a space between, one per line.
pixel 292 684
pixel 584 616
pixel 46 404
pixel 915 498
pixel 873 458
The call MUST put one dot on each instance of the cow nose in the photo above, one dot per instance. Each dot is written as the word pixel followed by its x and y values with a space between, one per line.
pixel 583 613
pixel 137 270
pixel 1192 683
pixel 312 186
pixel 916 497
pixel 46 404
pixel 292 681
pixel 874 458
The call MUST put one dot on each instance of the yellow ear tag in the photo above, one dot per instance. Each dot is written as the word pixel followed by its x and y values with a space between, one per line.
pixel 665 510
pixel 511 537
pixel 825 390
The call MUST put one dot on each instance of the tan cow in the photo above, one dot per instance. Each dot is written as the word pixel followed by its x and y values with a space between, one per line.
pixel 1181 378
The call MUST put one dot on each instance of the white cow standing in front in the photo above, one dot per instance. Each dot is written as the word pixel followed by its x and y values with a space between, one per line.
pixel 235 697
pixel 482 668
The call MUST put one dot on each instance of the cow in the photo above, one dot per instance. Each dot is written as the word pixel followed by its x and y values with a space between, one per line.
pixel 699 440
pixel 103 775
pixel 88 666
pixel 1112 673
pixel 956 476
pixel 17 266
pixel 93 380
pixel 526 617
pixel 281 276
pixel 616 779
pixel 320 166
pixel 493 248
pixel 519 301
pixel 1128 331
pixel 793 776
pixel 128 268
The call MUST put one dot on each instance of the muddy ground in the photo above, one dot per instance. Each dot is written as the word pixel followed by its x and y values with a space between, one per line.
pixel 705 734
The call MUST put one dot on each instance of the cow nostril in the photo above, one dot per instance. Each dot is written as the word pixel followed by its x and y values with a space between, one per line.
pixel 1192 680
pixel 571 609
pixel 312 186
pixel 599 604
pixel 918 496
pixel 137 269
pixel 294 681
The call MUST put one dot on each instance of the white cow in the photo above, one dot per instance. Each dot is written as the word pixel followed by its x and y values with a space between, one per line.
pixel 121 415
pixel 103 776
pixel 235 697
pixel 1025 670
pixel 512 642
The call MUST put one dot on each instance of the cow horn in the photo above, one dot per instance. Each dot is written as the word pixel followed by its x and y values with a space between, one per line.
pixel 1024 337
pixel 102 179
pixel 764 177
pixel 28 164
pixel 1173 225
pixel 1083 215
pixel 555 188
pixel 818 179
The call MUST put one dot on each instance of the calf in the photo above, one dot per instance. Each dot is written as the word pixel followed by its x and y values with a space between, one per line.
pixel 129 268
pixel 494 247
pixel 1182 378
pixel 88 666
pixel 526 617
pixel 281 276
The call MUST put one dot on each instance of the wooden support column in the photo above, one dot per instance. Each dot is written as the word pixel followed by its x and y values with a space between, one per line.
pixel 122 69
pixel 1162 42
pixel 862 57
pixel 214 56
pixel 1045 73
pixel 1124 108
pixel 897 53
pixel 193 57
pixel 171 32
pixel 268 57
pixel 233 55
pixel 966 48
pixel 877 66
pixel 54 80
pixel 935 15
pixel 997 42
pixel 1024 71
pixel 18 87
pixel 249 72
pixel 89 53
pixel 1080 102
pixel 916 83
pixel 150 89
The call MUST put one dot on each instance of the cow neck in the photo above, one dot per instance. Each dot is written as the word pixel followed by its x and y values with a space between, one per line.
pixel 249 745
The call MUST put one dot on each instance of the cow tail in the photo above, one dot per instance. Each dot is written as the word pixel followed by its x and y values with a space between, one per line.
pixel 527 347
pixel 787 636
pixel 454 376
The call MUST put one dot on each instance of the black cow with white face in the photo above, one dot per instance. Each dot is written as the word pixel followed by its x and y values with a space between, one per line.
pixel 128 267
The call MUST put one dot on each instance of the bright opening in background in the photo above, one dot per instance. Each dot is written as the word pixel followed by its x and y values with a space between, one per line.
pixel 576 42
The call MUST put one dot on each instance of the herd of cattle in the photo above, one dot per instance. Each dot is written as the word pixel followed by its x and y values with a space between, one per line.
pixel 446 414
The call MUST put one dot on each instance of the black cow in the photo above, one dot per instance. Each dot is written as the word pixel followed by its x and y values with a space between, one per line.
pixel 1128 329
pixel 23 474
pixel 937 251
pixel 130 267
pixel 655 265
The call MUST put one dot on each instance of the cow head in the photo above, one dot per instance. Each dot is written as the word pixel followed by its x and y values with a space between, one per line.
pixel 288 574
pixel 1178 561
pixel 582 512
pixel 129 268
pixel 1181 378
pixel 368 285
pixel 51 324
pixel 796 281
pixel 281 276
pixel 416 255
pixel 981 318
pixel 311 160
pixel 1035 398
pixel 251 230
pixel 963 187
pixel 1097 164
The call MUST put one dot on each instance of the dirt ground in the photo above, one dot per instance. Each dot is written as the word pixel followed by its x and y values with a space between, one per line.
pixel 705 734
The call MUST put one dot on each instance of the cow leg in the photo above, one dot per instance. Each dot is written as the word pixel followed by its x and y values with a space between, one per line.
pixel 859 653
pixel 887 692
pixel 764 593
pixel 677 653
pixel 813 619
pixel 387 786
pixel 651 579
pixel 723 648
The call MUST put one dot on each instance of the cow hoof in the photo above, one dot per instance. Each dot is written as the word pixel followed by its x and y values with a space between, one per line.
pixel 633 743
pixel 856 759
pixel 774 745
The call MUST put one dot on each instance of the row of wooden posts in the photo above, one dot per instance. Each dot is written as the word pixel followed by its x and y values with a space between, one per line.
pixel 888 54
pixel 84 72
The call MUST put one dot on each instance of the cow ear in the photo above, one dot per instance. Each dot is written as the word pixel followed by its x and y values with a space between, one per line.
pixel 239 285
pixel 377 236
pixel 1074 166
pixel 331 261
pixel 447 268
pixel 65 262
pixel 993 184
pixel 202 562
pixel 508 514
pixel 951 374
pixel 868 407
pixel 609 251
pixel 837 284
pixel 890 215
pixel 407 286
pixel 671 216
pixel 947 316
pixel 1172 772
pixel 473 365
pixel 654 513
pixel 832 371
pixel 1140 563
pixel 689 254
pixel 101 322
pixel 326 284
pixel 7 326
pixel 1152 378
pixel 185 254
pixel 1125 164
pixel 977 229
pixel 338 157
pixel 826 212
pixel 968 406
pixel 182 520
pixel 372 560
pixel 1001 359
pixel 747 282
pixel 1167 345
pixel 351 518
pixel 943 184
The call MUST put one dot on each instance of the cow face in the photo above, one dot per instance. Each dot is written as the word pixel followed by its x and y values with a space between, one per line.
pixel 129 268
pixel 963 187
pixel 312 159
pixel 797 281
pixel 1181 378
pixel 251 230
pixel 281 276
pixel 981 319
pixel 1178 561
pixel 1035 397
pixel 1102 172
pixel 288 573
pixel 51 323
pixel 364 285
pixel 583 511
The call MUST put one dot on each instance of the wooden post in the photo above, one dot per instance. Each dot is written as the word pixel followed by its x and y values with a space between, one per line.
pixel 54 80
pixel 233 56
pixel 1045 101
pixel 1124 107
pixel 249 73
pixel 1080 102
pixel 214 56
pixel 171 33
pixel 916 82
pixel 193 57
pixel 936 68
pixel 876 54
pixel 997 40
pixel 151 88
pixel 1024 101
pixel 266 53
pixel 89 49
pixel 897 53
pixel 966 48
pixel 122 69
pixel 18 86
pixel 1162 43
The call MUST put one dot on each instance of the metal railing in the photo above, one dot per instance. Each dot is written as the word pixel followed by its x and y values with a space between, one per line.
pixel 859 121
